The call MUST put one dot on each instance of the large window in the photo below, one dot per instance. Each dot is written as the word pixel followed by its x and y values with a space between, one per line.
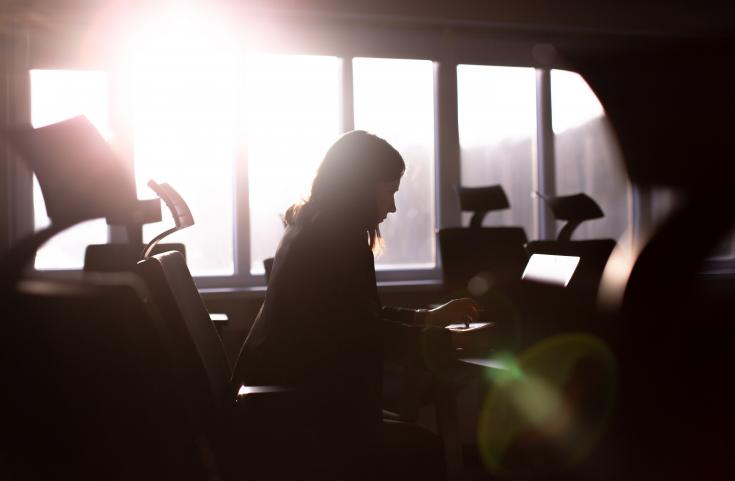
pixel 292 108
pixel 240 133
pixel 215 127
pixel 183 122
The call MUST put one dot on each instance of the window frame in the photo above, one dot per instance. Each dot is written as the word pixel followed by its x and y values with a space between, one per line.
pixel 445 46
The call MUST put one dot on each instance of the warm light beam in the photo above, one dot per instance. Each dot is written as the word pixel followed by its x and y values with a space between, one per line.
pixel 181 73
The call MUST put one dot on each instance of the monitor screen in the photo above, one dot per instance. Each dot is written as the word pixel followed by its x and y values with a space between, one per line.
pixel 550 269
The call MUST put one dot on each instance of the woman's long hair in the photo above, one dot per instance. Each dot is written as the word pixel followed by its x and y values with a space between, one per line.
pixel 344 186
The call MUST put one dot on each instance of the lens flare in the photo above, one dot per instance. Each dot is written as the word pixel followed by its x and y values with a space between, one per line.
pixel 551 412
pixel 480 284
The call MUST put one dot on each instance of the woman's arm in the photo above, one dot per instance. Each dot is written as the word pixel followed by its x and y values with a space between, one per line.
pixel 464 310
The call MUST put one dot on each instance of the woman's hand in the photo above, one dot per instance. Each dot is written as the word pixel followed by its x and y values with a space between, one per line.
pixel 464 310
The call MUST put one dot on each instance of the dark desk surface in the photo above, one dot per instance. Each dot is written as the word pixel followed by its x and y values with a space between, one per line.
pixel 488 363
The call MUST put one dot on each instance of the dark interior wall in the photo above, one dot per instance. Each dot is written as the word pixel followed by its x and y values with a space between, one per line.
pixel 593 15
pixel 652 16
pixel 60 30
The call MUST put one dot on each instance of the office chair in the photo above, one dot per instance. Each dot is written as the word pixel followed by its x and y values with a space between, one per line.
pixel 199 351
pixel 90 390
pixel 121 257
pixel 593 254
pixel 93 389
pixel 552 308
pixel 263 431
pixel 483 262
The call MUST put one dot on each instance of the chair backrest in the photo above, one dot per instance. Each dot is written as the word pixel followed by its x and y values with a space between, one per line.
pixel 493 252
pixel 574 209
pixel 593 254
pixel 121 257
pixel 550 309
pixel 89 387
pixel 496 252
pixel 198 349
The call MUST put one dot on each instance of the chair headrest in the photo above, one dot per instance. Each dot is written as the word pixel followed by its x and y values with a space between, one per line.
pixel 481 200
pixel 80 176
pixel 574 209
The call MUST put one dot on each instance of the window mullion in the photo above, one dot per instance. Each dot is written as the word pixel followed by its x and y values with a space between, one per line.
pixel 447 144
pixel 120 120
pixel 347 97
pixel 241 211
pixel 20 187
pixel 544 175
pixel 18 111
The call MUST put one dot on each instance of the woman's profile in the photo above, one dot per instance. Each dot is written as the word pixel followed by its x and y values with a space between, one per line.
pixel 322 327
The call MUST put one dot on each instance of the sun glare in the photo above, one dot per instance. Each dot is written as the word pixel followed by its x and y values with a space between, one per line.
pixel 181 75
pixel 199 104
pixel 292 117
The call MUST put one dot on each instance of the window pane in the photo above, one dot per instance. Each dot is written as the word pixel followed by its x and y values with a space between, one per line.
pixel 394 99
pixel 184 134
pixel 292 114
pixel 497 128
pixel 588 158
pixel 57 95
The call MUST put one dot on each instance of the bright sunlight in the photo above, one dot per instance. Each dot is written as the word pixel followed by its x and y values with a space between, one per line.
pixel 181 78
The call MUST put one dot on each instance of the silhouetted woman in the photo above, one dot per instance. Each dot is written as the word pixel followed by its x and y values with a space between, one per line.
pixel 322 327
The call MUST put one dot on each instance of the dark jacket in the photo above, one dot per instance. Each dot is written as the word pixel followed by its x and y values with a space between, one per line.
pixel 322 327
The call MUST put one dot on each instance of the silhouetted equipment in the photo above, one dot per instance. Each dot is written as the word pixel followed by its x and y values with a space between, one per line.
pixel 179 212
pixel 81 178
pixel 485 262
pixel 574 209
pixel 481 200
pixel 494 253
pixel 88 380
pixel 255 421
pixel 549 307
pixel 121 257
pixel 199 351
pixel 593 254
pixel 90 390
pixel 199 354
